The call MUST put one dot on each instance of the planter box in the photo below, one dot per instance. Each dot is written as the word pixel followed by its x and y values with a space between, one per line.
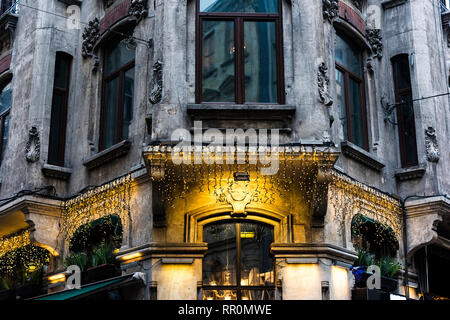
pixel 102 272
pixel 388 284
pixel 28 291
pixel 366 294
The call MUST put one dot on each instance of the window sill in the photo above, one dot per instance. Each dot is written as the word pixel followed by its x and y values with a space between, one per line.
pixel 56 172
pixel 116 151
pixel 411 173
pixel 388 4
pixel 213 111
pixel 352 151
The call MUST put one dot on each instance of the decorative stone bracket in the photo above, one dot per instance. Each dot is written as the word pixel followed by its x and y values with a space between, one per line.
pixel 33 148
pixel 156 94
pixel 431 145
pixel 330 10
pixel 375 40
pixel 323 81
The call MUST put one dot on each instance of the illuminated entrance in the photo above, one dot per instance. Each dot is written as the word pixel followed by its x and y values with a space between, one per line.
pixel 238 265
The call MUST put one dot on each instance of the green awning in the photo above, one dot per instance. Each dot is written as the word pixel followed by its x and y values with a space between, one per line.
pixel 89 289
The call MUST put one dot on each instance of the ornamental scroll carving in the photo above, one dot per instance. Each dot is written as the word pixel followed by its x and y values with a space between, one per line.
pixel 156 94
pixel 138 9
pixel 33 148
pixel 330 9
pixel 375 40
pixel 431 145
pixel 90 36
pixel 323 83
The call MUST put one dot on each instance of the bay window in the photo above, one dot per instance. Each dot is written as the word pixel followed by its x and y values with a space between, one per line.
pixel 5 107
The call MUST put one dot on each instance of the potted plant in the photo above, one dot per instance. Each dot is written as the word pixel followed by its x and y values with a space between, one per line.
pixel 102 263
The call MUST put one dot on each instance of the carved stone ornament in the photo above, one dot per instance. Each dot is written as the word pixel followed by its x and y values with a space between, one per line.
pixel 33 148
pixel 375 40
pixel 330 9
pixel 156 94
pixel 357 4
pixel 108 3
pixel 138 9
pixel 90 36
pixel 324 82
pixel 431 145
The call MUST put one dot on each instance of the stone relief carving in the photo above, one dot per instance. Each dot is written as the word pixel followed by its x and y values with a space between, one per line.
pixel 330 9
pixel 33 148
pixel 431 145
pixel 324 82
pixel 108 3
pixel 375 40
pixel 156 94
pixel 138 9
pixel 357 4
pixel 90 36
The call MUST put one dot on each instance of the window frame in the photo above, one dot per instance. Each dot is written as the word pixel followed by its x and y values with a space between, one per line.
pixel 3 117
pixel 238 287
pixel 361 80
pixel 64 93
pixel 400 124
pixel 120 74
pixel 239 18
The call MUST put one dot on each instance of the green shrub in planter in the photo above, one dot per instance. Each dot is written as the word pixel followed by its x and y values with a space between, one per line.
pixel 79 258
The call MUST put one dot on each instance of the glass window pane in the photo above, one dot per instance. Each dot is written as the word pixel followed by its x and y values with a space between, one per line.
pixel 356 113
pixel 256 263
pixel 55 129
pixel 5 98
pixel 219 294
pixel 406 113
pixel 62 69
pixel 219 264
pixel 260 62
pixel 117 55
pixel 342 100
pixel 250 6
pixel 218 61
pixel 5 134
pixel 267 294
pixel 111 114
pixel 402 73
pixel 348 56
pixel 128 102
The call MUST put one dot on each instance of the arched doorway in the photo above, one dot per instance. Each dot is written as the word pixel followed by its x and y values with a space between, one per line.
pixel 238 264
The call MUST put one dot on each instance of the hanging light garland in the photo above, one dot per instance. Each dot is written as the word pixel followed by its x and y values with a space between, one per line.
pixel 108 199
pixel 350 198
pixel 14 241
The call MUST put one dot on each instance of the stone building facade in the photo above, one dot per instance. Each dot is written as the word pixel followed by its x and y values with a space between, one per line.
pixel 97 95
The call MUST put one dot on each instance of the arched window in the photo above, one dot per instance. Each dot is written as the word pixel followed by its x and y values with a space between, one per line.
pixel 5 107
pixel 238 265
pixel 118 93
pixel 350 91
pixel 239 51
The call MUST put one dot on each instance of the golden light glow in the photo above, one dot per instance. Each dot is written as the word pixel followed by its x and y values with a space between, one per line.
pixel 60 277
pixel 131 256
pixel 111 198
pixel 247 235
pixel 15 241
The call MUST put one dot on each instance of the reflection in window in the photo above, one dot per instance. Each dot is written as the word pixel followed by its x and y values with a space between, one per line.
pixel 240 58
pixel 251 6
pixel 118 92
pixel 238 263
pixel 5 106
pixel 350 92
pixel 405 111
